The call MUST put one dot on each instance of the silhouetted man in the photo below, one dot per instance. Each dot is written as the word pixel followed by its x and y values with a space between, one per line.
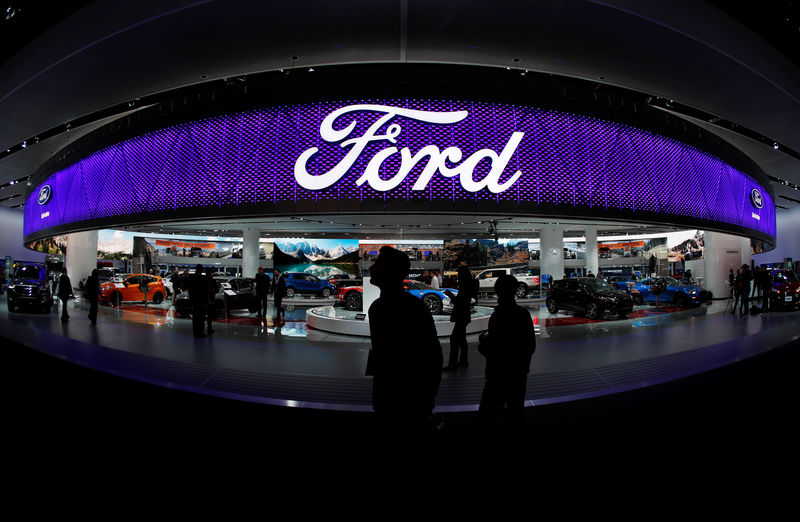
pixel 262 289
pixel 406 358
pixel 198 297
pixel 64 293
pixel 93 295
pixel 508 350
pixel 212 287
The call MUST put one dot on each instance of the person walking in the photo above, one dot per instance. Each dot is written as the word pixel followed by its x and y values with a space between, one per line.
pixel 766 289
pixel 405 363
pixel 508 347
pixel 64 293
pixel 92 290
pixel 460 317
pixel 731 281
pixel 262 289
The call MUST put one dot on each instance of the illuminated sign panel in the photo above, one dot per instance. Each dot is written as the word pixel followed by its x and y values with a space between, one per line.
pixel 396 155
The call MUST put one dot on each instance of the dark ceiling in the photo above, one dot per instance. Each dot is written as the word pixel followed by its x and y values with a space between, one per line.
pixel 735 65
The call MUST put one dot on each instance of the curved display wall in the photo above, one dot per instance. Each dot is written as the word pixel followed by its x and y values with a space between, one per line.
pixel 393 155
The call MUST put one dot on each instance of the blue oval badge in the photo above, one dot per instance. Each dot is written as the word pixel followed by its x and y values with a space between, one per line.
pixel 756 199
pixel 45 193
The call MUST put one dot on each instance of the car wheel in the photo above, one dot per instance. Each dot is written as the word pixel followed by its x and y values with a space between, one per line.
pixel 592 311
pixel 326 292
pixel 433 303
pixel 522 291
pixel 637 299
pixel 290 292
pixel 680 300
pixel 158 297
pixel 353 301
pixel 552 307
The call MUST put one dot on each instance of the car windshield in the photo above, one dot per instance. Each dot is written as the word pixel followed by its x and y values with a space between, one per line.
pixel 784 277
pixel 598 284
pixel 671 281
pixel 30 272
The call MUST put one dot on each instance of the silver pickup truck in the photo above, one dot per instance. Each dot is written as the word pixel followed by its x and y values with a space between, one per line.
pixel 487 278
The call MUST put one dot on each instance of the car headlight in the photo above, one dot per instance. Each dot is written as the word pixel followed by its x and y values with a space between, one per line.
pixel 11 287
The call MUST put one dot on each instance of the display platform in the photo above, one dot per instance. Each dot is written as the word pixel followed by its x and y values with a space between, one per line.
pixel 338 320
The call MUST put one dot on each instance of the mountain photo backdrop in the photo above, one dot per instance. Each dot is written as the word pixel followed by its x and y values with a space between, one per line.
pixel 315 251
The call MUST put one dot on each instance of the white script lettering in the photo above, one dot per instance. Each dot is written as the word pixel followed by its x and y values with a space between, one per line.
pixel 437 160
pixel 45 214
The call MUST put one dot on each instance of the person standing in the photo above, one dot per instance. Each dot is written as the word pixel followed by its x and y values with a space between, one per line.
pixel 278 294
pixel 508 347
pixel 198 297
pixel 746 278
pixel 731 280
pixel 93 294
pixel 212 288
pixel 435 283
pixel 64 293
pixel 175 279
pixel 766 289
pixel 405 362
pixel 460 317
pixel 2 278
pixel 262 289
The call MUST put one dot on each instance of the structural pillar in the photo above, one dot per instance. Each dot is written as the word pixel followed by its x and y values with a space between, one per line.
pixel 722 252
pixel 81 256
pixel 551 241
pixel 592 264
pixel 250 237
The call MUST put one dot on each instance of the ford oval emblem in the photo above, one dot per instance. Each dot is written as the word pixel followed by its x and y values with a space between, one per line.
pixel 756 199
pixel 44 194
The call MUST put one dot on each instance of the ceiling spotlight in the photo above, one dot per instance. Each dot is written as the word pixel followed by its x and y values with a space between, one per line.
pixel 25 144
pixel 775 146
pixel 310 69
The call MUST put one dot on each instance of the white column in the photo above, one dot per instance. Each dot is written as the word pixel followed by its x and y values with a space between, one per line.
pixel 81 256
pixel 722 253
pixel 250 251
pixel 552 254
pixel 591 250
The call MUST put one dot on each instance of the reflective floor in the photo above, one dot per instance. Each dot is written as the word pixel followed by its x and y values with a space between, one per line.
pixel 286 363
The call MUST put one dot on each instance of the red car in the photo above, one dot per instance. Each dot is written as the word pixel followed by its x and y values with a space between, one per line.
pixel 128 289
pixel 785 291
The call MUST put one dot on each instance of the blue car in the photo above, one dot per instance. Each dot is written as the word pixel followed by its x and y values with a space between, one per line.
pixel 436 300
pixel 678 293
pixel 301 283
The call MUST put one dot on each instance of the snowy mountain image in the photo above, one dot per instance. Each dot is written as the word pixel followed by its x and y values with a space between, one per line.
pixel 315 250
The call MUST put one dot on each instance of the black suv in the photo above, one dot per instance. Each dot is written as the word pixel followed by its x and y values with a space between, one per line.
pixel 233 293
pixel 587 295
pixel 29 287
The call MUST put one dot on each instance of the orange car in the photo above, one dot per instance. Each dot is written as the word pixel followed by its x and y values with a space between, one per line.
pixel 115 292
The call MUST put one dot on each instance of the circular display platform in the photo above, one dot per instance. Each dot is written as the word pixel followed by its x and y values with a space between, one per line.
pixel 349 322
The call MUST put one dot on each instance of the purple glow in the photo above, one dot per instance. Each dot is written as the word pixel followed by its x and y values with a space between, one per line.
pixel 568 162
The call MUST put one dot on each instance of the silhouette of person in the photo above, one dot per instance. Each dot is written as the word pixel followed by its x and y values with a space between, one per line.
pixel 93 295
pixel 508 349
pixel 460 316
pixel 198 297
pixel 278 295
pixel 262 289
pixel 746 277
pixel 766 289
pixel 213 288
pixel 64 293
pixel 405 362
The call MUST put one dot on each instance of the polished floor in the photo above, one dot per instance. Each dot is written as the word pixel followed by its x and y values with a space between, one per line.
pixel 287 364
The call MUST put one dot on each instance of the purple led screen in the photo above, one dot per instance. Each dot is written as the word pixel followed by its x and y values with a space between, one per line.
pixel 570 164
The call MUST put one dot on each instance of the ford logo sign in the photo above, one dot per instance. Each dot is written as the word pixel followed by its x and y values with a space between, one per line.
pixel 44 194
pixel 756 199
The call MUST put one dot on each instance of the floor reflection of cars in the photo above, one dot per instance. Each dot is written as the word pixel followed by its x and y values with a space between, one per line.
pixel 29 287
pixel 302 283
pixel 436 300
pixel 129 289
pixel 678 293
pixel 785 291
pixel 234 293
pixel 591 296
